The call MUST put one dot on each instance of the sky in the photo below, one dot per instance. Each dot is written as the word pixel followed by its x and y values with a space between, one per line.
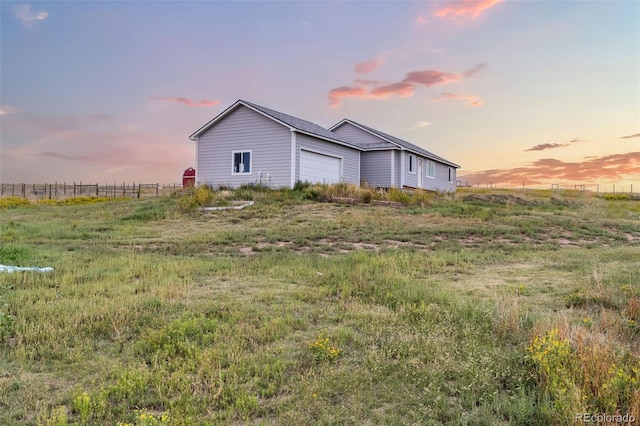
pixel 533 93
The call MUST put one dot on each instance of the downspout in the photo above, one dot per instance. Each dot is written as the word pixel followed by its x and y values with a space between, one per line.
pixel 293 158
pixel 197 158
pixel 393 168
pixel 401 168
pixel 359 168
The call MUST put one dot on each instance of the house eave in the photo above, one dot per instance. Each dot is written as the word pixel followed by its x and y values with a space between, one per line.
pixel 328 139
pixel 399 147
pixel 227 111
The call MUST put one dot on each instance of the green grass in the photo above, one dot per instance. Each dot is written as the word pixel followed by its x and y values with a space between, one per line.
pixel 293 311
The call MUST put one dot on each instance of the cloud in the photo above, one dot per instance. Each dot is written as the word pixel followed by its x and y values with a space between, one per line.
pixel 403 88
pixel 637 135
pixel 188 102
pixel 464 9
pixel 545 146
pixel 421 20
pixel 8 109
pixel 473 71
pixel 367 67
pixel 609 168
pixel 335 95
pixel 472 100
pixel 365 82
pixel 27 16
pixel 422 124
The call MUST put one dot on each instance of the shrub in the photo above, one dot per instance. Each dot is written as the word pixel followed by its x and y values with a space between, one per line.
pixel 399 196
pixel 366 196
pixel 300 186
pixel 199 196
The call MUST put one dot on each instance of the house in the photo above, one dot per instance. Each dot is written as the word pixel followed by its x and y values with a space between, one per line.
pixel 248 143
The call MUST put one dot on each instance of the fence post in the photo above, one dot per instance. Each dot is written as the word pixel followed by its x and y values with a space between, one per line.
pixel 157 189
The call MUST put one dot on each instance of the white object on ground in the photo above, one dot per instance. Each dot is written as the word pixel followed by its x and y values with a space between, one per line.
pixel 6 268
pixel 242 206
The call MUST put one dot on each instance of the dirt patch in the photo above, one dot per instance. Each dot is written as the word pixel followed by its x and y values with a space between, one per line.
pixel 502 199
pixel 248 251
pixel 366 246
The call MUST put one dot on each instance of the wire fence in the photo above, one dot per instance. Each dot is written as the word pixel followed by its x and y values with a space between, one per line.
pixel 608 188
pixel 57 190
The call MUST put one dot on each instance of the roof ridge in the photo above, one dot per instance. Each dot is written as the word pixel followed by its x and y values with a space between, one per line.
pixel 301 124
pixel 403 143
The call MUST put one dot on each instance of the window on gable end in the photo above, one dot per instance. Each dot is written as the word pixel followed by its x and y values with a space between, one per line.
pixel 241 162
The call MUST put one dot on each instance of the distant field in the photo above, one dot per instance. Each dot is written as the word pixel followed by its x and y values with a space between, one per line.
pixel 486 307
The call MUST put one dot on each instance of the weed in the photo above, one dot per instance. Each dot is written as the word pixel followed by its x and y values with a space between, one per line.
pixel 323 350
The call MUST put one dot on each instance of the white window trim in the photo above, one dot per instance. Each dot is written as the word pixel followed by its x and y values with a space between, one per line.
pixel 434 169
pixel 412 163
pixel 233 154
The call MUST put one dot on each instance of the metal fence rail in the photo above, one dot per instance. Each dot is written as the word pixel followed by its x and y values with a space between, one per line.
pixel 66 190
pixel 608 188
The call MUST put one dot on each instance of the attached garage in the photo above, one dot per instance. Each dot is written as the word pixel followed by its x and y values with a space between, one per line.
pixel 319 168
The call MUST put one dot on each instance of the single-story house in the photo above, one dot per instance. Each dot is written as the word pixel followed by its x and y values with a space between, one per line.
pixel 248 143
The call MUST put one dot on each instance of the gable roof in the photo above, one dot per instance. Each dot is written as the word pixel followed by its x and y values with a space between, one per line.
pixel 293 123
pixel 400 143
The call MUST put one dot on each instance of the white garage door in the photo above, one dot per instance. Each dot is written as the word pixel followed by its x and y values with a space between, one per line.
pixel 320 168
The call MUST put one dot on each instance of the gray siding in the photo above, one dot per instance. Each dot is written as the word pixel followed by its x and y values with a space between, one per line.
pixel 355 134
pixel 244 130
pixel 410 179
pixel 375 168
pixel 440 182
pixel 350 157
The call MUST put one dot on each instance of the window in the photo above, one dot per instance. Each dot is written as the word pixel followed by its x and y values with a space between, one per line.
pixel 242 162
pixel 431 169
pixel 449 174
pixel 412 161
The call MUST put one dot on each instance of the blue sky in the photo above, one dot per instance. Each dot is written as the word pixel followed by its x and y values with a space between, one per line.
pixel 514 91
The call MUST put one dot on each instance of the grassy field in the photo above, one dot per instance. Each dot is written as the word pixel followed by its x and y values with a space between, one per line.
pixel 483 308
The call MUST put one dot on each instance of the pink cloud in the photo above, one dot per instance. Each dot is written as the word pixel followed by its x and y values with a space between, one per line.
pixel 472 100
pixel 403 88
pixel 464 9
pixel 367 67
pixel 614 167
pixel 188 102
pixel 431 78
pixel 335 95
pixel 421 20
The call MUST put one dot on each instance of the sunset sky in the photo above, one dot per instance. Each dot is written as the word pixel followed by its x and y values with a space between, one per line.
pixel 533 92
